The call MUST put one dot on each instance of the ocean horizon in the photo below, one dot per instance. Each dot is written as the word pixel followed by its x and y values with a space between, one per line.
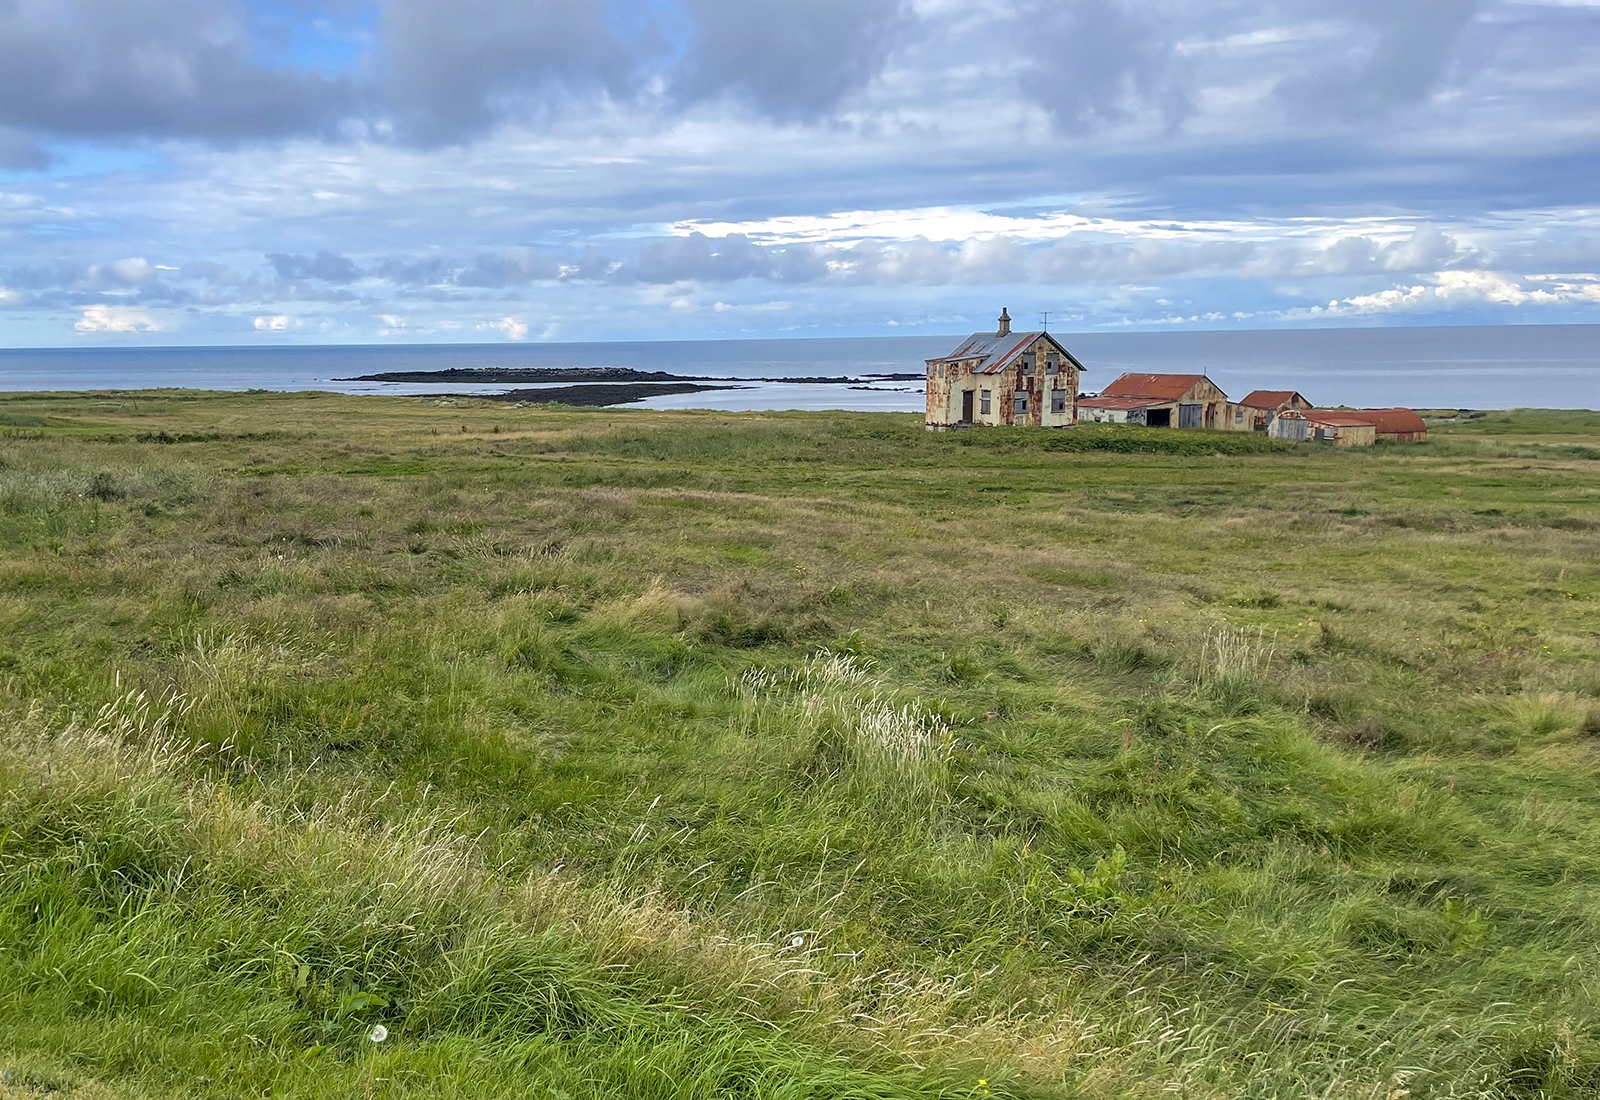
pixel 1549 366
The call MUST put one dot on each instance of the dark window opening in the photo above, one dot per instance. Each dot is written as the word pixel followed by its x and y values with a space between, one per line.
pixel 1019 402
pixel 1058 401
pixel 1158 418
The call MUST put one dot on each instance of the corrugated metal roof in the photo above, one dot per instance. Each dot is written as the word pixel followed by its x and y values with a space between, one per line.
pixel 993 351
pixel 1270 399
pixel 1127 401
pixel 1336 418
pixel 1168 386
pixel 1392 420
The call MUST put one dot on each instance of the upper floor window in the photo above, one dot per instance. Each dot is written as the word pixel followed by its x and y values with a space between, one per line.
pixel 1052 364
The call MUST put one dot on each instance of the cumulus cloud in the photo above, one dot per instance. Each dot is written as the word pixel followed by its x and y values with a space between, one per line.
pixel 273 323
pixel 115 319
pixel 1447 290
pixel 513 328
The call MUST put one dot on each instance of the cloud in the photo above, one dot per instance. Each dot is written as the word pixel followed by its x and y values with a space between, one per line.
pixel 147 68
pixel 513 328
pixel 325 266
pixel 508 267
pixel 1453 289
pixel 1391 54
pixel 115 319
pixel 1089 62
pixel 792 61
pixel 275 323
pixel 449 69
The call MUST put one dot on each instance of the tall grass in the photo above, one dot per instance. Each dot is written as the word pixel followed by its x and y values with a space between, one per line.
pixel 621 755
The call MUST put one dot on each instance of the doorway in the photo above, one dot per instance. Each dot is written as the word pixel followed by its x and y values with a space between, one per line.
pixel 1158 418
pixel 966 406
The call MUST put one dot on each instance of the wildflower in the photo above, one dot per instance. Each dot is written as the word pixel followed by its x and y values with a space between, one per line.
pixel 378 1033
pixel 797 941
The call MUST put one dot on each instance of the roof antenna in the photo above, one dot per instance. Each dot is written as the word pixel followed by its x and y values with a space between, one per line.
pixel 1045 320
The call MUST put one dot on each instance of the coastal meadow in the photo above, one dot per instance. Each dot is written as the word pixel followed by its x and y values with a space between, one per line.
pixel 616 753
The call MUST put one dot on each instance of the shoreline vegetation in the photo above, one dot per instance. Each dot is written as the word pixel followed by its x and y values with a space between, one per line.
pixel 791 756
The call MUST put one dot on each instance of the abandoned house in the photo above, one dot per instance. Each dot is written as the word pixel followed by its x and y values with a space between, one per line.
pixel 1004 377
pixel 1341 427
pixel 1160 401
pixel 1255 411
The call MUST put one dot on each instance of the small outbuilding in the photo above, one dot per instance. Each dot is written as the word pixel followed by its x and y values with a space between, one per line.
pixel 1336 426
pixel 1254 412
pixel 1160 401
pixel 1004 377
pixel 1395 425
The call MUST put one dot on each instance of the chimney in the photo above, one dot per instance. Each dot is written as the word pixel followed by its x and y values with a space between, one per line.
pixel 1005 322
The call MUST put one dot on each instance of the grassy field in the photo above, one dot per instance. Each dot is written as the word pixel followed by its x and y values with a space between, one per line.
pixel 631 754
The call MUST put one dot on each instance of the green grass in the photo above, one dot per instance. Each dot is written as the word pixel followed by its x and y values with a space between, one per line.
pixel 599 753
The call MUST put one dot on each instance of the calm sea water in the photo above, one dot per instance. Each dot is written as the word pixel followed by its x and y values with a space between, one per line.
pixel 1553 366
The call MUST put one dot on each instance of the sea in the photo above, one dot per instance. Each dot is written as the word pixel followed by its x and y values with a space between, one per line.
pixel 1481 367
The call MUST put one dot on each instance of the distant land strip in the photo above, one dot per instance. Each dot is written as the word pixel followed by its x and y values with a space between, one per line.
pixel 608 394
pixel 595 374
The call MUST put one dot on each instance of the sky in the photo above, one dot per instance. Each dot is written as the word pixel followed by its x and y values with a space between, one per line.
pixel 355 171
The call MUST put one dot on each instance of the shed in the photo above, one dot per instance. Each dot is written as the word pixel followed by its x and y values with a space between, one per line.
pixel 1117 410
pixel 1340 427
pixel 1174 400
pixel 1395 425
pixel 1254 412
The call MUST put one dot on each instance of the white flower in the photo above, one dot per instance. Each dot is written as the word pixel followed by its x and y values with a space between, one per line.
pixel 378 1033
pixel 798 941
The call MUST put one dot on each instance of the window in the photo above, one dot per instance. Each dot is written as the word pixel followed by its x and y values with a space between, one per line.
pixel 1019 402
pixel 1052 365
pixel 983 402
pixel 1027 365
pixel 1058 401
pixel 1238 416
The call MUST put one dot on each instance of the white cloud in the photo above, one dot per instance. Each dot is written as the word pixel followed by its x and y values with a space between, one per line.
pixel 116 319
pixel 9 298
pixel 1448 289
pixel 514 328
pixel 277 323
pixel 393 324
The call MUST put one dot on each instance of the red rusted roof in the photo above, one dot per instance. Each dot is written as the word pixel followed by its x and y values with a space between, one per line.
pixel 1270 399
pixel 1336 418
pixel 1167 386
pixel 1128 401
pixel 1392 421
